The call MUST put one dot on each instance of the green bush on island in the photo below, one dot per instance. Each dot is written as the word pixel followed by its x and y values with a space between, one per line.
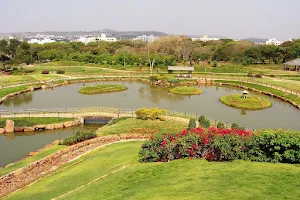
pixel 192 124
pixel 152 113
pixel 103 88
pixel 251 102
pixel 186 90
pixel 78 137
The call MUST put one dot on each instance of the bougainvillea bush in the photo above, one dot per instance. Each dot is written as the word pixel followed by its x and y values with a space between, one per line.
pixel 218 144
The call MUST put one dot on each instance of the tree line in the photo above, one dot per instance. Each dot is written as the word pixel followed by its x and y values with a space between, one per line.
pixel 168 50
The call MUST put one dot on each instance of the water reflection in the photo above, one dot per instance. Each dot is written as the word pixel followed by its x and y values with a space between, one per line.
pixel 18 100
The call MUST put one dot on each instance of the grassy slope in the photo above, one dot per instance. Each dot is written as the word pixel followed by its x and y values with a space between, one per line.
pixel 180 179
pixel 251 102
pixel 138 126
pixel 30 121
pixel 17 79
pixel 40 155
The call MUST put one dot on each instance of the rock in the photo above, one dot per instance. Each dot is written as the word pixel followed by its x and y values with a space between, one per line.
pixel 29 129
pixel 2 130
pixel 40 126
pixel 43 87
pixel 10 126
pixel 19 129
pixel 49 126
pixel 68 124
pixel 58 125
pixel 32 153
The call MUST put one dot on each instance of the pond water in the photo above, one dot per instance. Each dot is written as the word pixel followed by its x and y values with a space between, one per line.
pixel 280 115
pixel 15 146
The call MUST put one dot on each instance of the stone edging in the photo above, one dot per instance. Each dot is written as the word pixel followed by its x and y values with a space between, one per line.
pixel 266 93
pixel 11 128
pixel 38 169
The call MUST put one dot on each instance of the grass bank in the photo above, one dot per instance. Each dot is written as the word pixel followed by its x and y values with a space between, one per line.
pixel 103 88
pixel 31 121
pixel 251 102
pixel 138 126
pixel 114 172
pixel 42 154
pixel 186 90
pixel 7 91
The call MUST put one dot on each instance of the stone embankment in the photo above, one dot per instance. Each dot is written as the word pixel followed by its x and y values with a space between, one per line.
pixel 10 126
pixel 38 169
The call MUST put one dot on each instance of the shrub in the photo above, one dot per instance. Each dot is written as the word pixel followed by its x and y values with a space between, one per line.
pixel 204 122
pixel 215 64
pixel 250 74
pixel 236 126
pixel 152 113
pixel 153 78
pixel 78 137
pixel 192 124
pixel 217 144
pixel 45 72
pixel 172 79
pixel 258 75
pixel 221 125
pixel 60 71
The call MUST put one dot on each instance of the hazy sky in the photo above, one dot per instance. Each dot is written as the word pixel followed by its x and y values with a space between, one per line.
pixel 230 18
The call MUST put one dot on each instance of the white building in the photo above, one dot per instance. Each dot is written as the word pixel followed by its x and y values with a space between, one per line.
pixel 147 39
pixel 205 39
pixel 273 41
pixel 102 37
pixel 38 41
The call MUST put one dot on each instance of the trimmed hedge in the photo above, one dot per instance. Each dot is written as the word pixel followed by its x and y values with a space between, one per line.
pixel 217 144
pixel 45 72
pixel 60 72
pixel 78 137
pixel 192 124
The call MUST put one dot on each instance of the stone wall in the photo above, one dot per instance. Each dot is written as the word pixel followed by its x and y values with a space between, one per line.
pixel 38 169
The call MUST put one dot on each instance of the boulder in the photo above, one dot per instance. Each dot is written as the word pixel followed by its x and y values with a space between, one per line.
pixel 29 129
pixel 68 124
pixel 19 129
pixel 2 130
pixel 40 126
pixel 49 126
pixel 32 153
pixel 10 126
pixel 58 125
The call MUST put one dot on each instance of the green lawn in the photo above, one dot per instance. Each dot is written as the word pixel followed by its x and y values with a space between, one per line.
pixel 102 88
pixel 180 179
pixel 30 121
pixel 186 90
pixel 40 155
pixel 6 91
pixel 251 102
pixel 138 126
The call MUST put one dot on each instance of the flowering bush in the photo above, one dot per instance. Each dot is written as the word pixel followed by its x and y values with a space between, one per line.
pixel 212 143
pixel 149 113
pixel 218 144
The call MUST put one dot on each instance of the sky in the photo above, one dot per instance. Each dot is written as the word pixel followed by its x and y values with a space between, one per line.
pixel 229 18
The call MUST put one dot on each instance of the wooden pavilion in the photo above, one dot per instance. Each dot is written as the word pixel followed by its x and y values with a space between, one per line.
pixel 181 69
pixel 293 65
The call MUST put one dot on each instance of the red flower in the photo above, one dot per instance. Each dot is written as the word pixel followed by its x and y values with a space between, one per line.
pixel 209 156
pixel 164 143
pixel 205 140
pixel 194 146
pixel 191 152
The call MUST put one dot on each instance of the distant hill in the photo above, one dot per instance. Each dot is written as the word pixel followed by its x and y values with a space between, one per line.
pixel 255 40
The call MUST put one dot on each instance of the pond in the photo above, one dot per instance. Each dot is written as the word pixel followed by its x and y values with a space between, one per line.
pixel 15 146
pixel 280 115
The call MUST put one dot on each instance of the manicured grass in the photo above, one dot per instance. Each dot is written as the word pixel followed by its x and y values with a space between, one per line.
pixel 7 91
pixel 103 88
pixel 30 121
pixel 138 126
pixel 44 153
pixel 251 102
pixel 18 79
pixel 186 90
pixel 180 179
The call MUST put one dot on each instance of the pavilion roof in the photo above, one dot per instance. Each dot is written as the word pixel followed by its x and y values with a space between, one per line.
pixel 180 68
pixel 295 62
